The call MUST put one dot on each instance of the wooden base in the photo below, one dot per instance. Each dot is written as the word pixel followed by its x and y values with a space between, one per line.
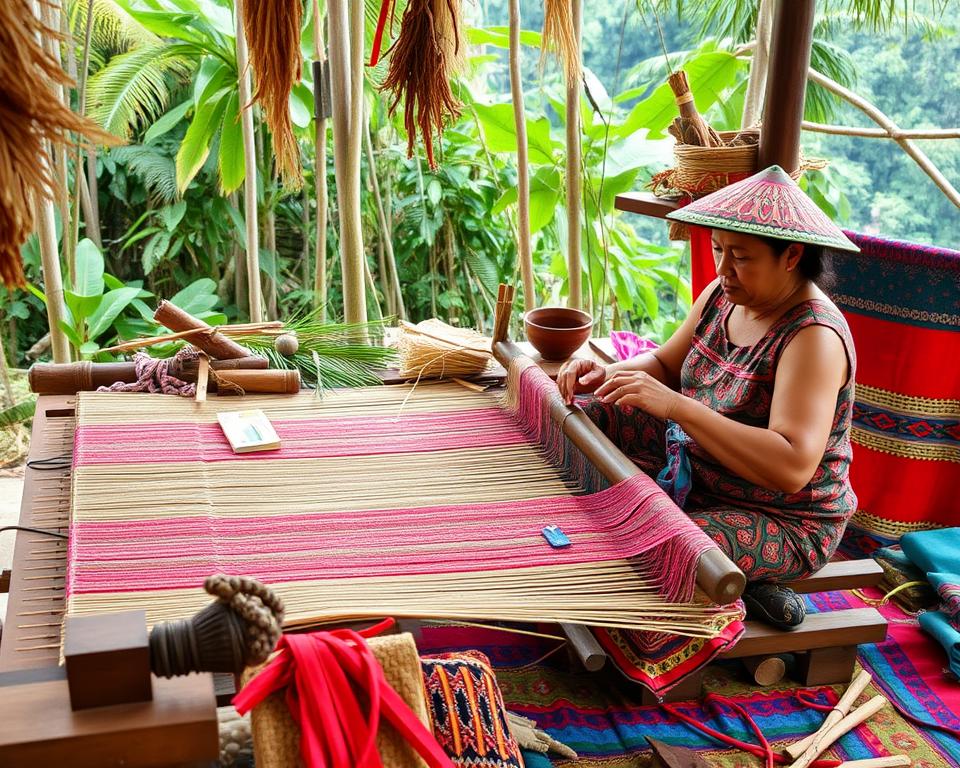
pixel 37 726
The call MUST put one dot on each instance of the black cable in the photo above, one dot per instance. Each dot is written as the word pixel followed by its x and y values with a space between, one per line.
pixel 51 463
pixel 33 530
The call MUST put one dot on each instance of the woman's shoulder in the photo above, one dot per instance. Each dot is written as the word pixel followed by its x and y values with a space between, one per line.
pixel 817 308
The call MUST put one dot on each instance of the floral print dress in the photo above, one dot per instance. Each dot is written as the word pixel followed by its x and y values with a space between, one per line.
pixel 770 535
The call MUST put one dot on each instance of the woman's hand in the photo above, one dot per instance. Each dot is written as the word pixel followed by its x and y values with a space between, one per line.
pixel 579 376
pixel 642 391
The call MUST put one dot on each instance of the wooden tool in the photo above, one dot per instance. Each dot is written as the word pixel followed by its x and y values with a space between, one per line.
pixel 676 757
pixel 834 716
pixel 209 340
pixel 891 761
pixel 825 739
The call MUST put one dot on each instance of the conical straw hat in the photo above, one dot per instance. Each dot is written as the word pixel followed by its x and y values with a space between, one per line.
pixel 769 204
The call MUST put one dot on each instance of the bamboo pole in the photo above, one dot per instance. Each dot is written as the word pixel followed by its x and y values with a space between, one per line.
pixel 574 271
pixel 391 279
pixel 880 133
pixel 834 716
pixel 893 130
pixel 93 219
pixel 250 171
pixel 346 73
pixel 759 65
pixel 523 169
pixel 320 169
pixel 52 278
pixel 79 180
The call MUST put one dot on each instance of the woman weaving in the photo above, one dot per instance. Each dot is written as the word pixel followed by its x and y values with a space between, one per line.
pixel 750 400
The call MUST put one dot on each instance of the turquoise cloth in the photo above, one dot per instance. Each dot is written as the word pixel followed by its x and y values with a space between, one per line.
pixel 937 554
pixel 535 759
pixel 676 478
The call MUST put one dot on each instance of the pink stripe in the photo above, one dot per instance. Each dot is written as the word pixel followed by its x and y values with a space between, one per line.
pixel 624 521
pixel 300 439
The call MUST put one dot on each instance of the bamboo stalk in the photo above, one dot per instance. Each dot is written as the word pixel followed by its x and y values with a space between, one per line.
pixel 523 170
pixel 79 182
pixel 250 171
pixel 52 279
pixel 574 271
pixel 390 278
pixel 756 85
pixel 826 739
pixel 890 761
pixel 320 177
pixel 881 133
pixel 834 716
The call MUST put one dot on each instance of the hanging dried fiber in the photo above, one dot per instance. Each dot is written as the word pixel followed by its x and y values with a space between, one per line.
pixel 424 57
pixel 560 37
pixel 30 114
pixel 272 29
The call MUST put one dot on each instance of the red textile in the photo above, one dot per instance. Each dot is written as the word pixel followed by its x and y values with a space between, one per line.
pixel 322 673
pixel 702 267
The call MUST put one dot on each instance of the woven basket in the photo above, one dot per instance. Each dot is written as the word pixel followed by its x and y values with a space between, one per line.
pixel 276 737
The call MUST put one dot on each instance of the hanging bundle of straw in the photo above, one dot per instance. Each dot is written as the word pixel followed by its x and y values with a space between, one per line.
pixel 30 114
pixel 434 349
pixel 560 37
pixel 272 29
pixel 424 57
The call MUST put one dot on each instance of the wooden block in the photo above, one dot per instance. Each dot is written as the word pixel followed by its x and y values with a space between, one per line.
pixel 840 574
pixel 645 203
pixel 765 670
pixel 107 659
pixel 38 727
pixel 819 630
pixel 5 580
pixel 826 666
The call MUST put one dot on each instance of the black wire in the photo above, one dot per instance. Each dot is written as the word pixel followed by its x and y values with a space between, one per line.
pixel 32 530
pixel 51 463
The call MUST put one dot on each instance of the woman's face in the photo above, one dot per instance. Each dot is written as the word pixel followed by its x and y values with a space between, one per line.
pixel 750 272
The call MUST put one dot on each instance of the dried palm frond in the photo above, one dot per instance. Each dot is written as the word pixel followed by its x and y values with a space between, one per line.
pixel 272 29
pixel 422 61
pixel 30 114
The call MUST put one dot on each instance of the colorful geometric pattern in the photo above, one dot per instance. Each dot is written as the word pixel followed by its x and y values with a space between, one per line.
pixel 902 302
pixel 600 716
pixel 770 204
pixel 467 711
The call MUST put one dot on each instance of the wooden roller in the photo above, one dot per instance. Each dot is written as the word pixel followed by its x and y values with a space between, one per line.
pixel 765 670
pixel 717 576
pixel 278 382
pixel 210 341
pixel 85 376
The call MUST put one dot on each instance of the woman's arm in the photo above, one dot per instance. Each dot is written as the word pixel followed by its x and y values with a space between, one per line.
pixel 784 456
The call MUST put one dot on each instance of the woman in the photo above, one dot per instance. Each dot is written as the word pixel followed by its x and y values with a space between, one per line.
pixel 752 395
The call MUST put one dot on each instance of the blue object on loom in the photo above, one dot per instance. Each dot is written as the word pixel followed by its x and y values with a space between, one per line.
pixel 676 478
pixel 937 554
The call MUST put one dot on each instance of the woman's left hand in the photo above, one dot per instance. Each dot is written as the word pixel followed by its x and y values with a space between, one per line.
pixel 642 391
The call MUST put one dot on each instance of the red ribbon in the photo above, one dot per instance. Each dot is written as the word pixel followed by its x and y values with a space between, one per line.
pixel 322 673
pixel 378 34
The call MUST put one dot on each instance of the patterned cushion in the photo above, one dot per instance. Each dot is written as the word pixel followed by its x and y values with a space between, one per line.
pixel 467 712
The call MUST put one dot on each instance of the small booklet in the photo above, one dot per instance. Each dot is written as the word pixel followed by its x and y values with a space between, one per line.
pixel 248 431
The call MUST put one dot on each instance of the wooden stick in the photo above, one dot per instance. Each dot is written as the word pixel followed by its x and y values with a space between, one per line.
pixel 835 715
pixel 826 739
pixel 214 344
pixel 890 761
pixel 203 374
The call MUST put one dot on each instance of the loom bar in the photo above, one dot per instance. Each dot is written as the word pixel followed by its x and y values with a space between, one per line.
pixel 717 576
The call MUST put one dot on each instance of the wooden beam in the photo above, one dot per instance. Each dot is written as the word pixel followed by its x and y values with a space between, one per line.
pixel 645 203
pixel 786 84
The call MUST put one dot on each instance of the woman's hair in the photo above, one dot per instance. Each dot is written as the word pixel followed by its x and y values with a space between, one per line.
pixel 816 264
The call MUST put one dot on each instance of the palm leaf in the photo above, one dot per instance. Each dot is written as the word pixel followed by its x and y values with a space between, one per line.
pixel 18 413
pixel 155 168
pixel 133 89
pixel 113 28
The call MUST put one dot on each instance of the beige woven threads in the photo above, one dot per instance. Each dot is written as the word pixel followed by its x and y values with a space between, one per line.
pixel 433 349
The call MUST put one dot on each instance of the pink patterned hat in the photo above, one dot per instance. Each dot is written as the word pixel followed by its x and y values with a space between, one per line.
pixel 769 204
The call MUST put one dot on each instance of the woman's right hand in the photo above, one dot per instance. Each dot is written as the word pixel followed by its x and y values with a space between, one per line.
pixel 578 376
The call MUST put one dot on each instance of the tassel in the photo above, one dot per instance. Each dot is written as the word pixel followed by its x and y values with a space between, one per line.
pixel 272 29
pixel 422 61
pixel 560 37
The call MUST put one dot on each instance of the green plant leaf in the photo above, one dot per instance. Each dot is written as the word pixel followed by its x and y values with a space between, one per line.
pixel 88 279
pixel 80 307
pixel 71 334
pixel 89 348
pixel 231 159
pixel 544 196
pixel 500 132
pixel 113 303
pixel 301 105
pixel 165 123
pixel 434 191
pixel 500 37
pixel 196 143
pixel 197 296
pixel 172 215
pixel 509 197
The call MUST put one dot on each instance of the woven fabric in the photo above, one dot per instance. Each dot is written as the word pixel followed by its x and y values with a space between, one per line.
pixel 769 204
pixel 467 712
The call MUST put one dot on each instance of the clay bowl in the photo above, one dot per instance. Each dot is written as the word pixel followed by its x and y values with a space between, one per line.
pixel 557 332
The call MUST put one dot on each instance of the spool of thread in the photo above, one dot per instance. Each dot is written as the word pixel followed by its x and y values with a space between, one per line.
pixel 237 630
pixel 212 342
pixel 85 376
pixel 278 382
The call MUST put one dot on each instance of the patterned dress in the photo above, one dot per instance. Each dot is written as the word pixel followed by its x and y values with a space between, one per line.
pixel 770 535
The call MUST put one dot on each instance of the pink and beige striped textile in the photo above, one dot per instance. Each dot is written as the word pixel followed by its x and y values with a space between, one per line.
pixel 402 501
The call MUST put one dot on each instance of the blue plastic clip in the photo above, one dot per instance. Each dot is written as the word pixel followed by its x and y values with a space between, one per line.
pixel 555 536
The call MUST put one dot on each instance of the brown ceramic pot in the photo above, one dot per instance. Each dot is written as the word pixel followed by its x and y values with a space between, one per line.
pixel 557 332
